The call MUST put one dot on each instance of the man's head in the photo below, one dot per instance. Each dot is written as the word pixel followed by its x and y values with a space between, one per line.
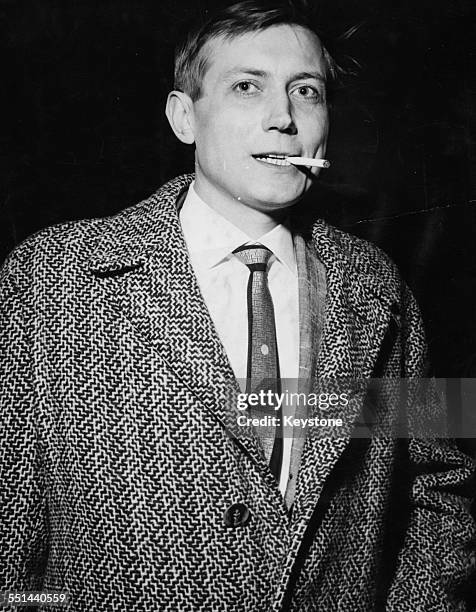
pixel 251 82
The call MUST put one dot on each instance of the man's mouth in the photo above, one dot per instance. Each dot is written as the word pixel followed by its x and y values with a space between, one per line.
pixel 276 159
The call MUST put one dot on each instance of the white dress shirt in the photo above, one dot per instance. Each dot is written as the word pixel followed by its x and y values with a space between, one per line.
pixel 223 281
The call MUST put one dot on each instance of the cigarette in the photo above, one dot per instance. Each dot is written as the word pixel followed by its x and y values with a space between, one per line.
pixel 309 161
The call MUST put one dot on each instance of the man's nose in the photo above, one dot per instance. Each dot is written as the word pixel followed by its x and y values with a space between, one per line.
pixel 279 115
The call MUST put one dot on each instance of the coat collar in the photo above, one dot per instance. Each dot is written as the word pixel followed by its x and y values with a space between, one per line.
pixel 148 229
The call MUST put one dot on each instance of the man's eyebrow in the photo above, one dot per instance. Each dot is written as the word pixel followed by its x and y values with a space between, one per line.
pixel 263 74
pixel 310 75
pixel 243 70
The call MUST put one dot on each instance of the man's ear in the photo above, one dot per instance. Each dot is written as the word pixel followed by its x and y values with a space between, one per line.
pixel 179 111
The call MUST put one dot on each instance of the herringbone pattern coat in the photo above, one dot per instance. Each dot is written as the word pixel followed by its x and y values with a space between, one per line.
pixel 117 465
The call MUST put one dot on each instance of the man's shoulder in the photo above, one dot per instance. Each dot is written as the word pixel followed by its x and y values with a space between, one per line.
pixel 68 243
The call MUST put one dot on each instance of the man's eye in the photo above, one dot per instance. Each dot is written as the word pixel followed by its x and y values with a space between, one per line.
pixel 308 92
pixel 245 87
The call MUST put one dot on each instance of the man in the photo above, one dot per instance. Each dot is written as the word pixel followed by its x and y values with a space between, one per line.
pixel 127 480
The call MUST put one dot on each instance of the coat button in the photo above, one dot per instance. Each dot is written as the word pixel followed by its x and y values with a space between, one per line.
pixel 237 515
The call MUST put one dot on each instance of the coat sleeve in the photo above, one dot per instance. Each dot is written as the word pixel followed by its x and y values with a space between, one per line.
pixel 436 564
pixel 23 524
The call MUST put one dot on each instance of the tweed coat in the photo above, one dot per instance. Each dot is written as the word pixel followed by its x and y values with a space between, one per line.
pixel 118 465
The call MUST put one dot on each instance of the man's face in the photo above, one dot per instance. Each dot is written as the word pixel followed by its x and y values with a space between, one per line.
pixel 263 95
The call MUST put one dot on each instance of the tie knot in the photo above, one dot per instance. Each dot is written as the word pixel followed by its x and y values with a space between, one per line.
pixel 255 256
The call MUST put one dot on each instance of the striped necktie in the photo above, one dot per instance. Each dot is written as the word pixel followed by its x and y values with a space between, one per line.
pixel 263 363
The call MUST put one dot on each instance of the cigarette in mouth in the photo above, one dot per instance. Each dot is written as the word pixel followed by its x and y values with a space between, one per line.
pixel 309 161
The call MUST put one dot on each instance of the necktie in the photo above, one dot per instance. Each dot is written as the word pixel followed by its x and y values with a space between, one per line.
pixel 263 364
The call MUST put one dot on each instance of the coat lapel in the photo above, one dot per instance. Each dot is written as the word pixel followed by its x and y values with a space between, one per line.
pixel 357 313
pixel 142 265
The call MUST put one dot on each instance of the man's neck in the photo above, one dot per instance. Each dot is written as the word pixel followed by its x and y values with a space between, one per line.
pixel 254 223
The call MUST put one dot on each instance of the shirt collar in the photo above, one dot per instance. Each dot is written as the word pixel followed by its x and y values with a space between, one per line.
pixel 211 238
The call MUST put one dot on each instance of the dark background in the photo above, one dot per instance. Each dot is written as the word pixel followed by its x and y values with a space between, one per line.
pixel 84 134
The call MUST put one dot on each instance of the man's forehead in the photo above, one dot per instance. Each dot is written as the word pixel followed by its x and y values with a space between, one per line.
pixel 277 45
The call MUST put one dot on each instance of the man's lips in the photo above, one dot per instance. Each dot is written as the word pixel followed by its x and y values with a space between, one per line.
pixel 275 159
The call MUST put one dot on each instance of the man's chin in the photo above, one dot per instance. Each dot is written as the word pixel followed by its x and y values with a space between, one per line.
pixel 273 200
